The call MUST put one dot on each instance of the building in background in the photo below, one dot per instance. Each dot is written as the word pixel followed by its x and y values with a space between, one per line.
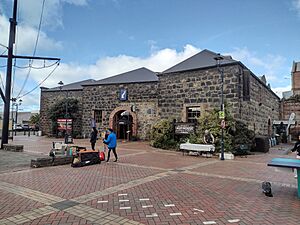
pixel 132 101
pixel 291 102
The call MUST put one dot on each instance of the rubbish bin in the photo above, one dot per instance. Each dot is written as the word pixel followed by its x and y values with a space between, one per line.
pixel 68 139
pixel 261 144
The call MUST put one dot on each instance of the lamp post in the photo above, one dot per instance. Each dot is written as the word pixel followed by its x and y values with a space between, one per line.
pixel 66 112
pixel 222 114
pixel 17 104
pixel 17 108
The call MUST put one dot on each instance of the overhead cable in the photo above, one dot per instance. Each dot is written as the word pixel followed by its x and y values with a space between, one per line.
pixel 34 51
pixel 39 84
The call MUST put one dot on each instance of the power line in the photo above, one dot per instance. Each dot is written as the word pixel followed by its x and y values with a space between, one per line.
pixel 4 46
pixel 35 47
pixel 34 67
pixel 39 84
pixel 1 80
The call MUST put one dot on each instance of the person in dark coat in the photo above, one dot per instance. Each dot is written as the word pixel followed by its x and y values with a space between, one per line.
pixel 93 137
pixel 111 142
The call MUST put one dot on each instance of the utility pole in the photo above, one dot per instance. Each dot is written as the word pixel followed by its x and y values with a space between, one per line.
pixel 10 56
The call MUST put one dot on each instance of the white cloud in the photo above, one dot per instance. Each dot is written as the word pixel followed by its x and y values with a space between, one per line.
pixel 157 61
pixel 296 6
pixel 269 65
pixel 25 38
pixel 53 12
pixel 280 90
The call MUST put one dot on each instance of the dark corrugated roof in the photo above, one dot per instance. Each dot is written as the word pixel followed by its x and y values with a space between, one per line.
pixel 69 87
pixel 135 76
pixel 202 59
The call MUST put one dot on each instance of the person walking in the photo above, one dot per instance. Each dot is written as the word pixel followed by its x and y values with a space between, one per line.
pixel 111 142
pixel 93 137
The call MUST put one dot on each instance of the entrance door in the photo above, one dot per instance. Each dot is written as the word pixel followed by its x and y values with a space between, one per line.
pixel 123 125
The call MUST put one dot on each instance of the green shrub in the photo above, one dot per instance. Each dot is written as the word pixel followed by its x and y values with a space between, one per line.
pixel 161 135
pixel 235 132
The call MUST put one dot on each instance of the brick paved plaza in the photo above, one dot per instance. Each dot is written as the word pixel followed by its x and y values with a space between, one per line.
pixel 147 186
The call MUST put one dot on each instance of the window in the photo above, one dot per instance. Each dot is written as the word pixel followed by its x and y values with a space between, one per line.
pixel 98 117
pixel 192 114
pixel 246 85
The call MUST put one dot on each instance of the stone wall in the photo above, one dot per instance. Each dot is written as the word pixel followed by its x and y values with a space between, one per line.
pixel 202 88
pixel 48 99
pixel 106 98
pixel 261 109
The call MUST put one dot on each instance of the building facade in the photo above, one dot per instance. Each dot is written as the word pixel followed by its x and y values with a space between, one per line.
pixel 131 102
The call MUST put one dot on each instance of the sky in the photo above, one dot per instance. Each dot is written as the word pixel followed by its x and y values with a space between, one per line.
pixel 96 39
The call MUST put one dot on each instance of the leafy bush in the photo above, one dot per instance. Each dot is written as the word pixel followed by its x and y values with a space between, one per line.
pixel 58 110
pixel 236 132
pixel 161 135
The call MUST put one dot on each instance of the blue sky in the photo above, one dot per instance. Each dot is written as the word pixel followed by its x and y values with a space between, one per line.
pixel 100 38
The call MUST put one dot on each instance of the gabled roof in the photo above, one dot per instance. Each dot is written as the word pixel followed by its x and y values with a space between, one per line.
pixel 70 87
pixel 203 59
pixel 135 76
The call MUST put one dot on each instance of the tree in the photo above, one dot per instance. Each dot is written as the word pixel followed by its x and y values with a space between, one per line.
pixel 210 121
pixel 161 135
pixel 236 132
pixel 35 119
pixel 58 110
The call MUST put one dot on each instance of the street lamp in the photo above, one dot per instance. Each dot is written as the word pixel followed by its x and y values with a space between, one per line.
pixel 222 113
pixel 66 113
pixel 17 104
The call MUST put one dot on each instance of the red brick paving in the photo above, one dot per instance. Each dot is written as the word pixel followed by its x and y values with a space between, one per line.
pixel 11 204
pixel 259 171
pixel 68 182
pixel 221 199
pixel 170 160
pixel 59 218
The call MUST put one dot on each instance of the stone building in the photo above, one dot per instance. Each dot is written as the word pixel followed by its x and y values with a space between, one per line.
pixel 291 104
pixel 131 102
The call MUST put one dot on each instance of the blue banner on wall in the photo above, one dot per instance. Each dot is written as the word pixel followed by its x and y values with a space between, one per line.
pixel 123 95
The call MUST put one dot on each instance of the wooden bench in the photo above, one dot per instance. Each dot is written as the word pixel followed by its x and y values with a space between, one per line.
pixel 199 148
pixel 288 163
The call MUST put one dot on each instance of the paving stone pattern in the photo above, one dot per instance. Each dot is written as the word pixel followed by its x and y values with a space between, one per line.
pixel 149 186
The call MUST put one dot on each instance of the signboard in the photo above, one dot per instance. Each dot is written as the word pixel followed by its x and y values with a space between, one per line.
pixel 221 115
pixel 61 124
pixel 184 128
pixel 123 95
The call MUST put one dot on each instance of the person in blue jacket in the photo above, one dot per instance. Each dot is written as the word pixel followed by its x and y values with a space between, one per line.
pixel 111 143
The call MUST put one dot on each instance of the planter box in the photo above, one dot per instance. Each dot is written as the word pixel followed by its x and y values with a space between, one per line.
pixel 227 155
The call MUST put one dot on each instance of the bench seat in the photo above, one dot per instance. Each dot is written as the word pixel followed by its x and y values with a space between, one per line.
pixel 200 148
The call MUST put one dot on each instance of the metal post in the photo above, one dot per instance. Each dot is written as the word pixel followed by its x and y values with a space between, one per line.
pixel 12 119
pixel 218 58
pixel 66 117
pixel 12 32
pixel 17 108
pixel 222 109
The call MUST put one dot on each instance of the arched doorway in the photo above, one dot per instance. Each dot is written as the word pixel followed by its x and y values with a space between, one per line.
pixel 123 122
pixel 123 125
